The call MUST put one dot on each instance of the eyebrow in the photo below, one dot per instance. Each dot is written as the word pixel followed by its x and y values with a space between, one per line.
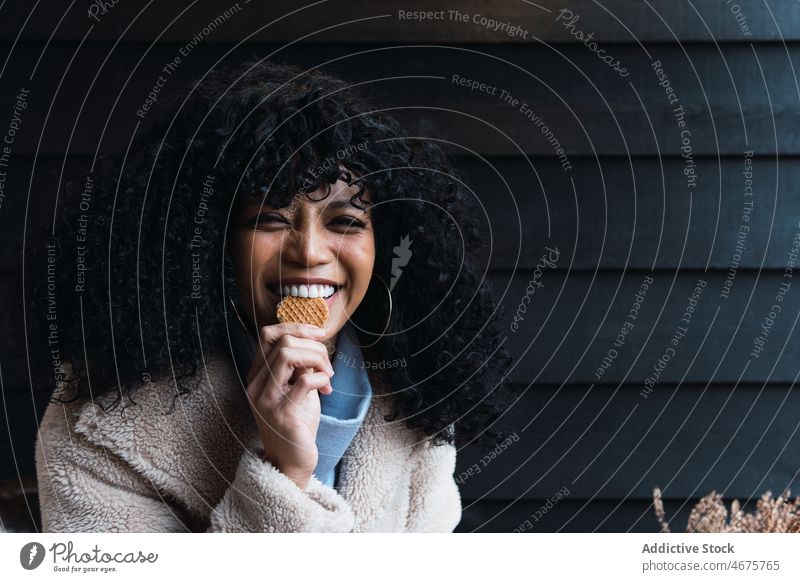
pixel 336 204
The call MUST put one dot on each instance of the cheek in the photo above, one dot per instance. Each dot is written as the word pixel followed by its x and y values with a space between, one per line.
pixel 359 261
pixel 242 250
pixel 252 254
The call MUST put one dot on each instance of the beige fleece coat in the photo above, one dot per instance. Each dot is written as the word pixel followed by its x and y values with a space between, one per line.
pixel 199 469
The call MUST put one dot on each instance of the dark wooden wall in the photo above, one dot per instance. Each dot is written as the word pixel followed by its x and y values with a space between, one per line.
pixel 624 212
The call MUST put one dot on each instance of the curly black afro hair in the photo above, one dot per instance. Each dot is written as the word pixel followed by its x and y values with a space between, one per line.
pixel 262 129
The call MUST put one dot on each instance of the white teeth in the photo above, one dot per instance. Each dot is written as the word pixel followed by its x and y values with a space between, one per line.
pixel 323 291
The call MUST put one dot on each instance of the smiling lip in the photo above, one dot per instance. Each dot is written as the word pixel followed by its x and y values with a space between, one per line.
pixel 305 281
pixel 278 288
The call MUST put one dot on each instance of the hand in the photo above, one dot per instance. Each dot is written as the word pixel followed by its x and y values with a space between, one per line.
pixel 283 385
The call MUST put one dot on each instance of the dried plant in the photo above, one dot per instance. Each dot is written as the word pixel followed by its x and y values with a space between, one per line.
pixel 772 515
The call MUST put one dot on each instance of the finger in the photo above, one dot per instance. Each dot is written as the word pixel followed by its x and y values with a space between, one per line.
pixel 290 341
pixel 300 371
pixel 306 383
pixel 269 334
pixel 284 361
pixel 269 388
pixel 287 340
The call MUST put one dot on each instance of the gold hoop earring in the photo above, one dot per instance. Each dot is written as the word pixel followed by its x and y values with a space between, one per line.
pixel 239 317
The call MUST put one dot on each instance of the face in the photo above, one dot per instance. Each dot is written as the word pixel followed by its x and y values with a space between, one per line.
pixel 323 248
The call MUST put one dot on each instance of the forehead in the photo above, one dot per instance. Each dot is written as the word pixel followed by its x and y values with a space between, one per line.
pixel 333 195
pixel 338 196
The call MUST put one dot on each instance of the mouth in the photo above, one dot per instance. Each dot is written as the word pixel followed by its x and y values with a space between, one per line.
pixel 323 291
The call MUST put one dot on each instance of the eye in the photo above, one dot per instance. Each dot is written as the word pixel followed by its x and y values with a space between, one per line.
pixel 267 219
pixel 347 222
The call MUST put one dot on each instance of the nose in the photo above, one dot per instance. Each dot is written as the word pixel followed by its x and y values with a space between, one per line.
pixel 307 246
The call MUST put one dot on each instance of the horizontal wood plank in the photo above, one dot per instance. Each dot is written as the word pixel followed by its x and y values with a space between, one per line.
pixel 568 102
pixel 606 327
pixel 609 443
pixel 617 213
pixel 338 21
pixel 534 516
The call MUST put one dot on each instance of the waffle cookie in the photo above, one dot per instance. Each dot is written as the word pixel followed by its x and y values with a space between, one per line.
pixel 313 311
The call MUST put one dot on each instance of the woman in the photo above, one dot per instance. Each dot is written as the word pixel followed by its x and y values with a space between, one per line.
pixel 181 403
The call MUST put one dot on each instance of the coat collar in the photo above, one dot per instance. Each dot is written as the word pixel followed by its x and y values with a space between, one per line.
pixel 188 446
